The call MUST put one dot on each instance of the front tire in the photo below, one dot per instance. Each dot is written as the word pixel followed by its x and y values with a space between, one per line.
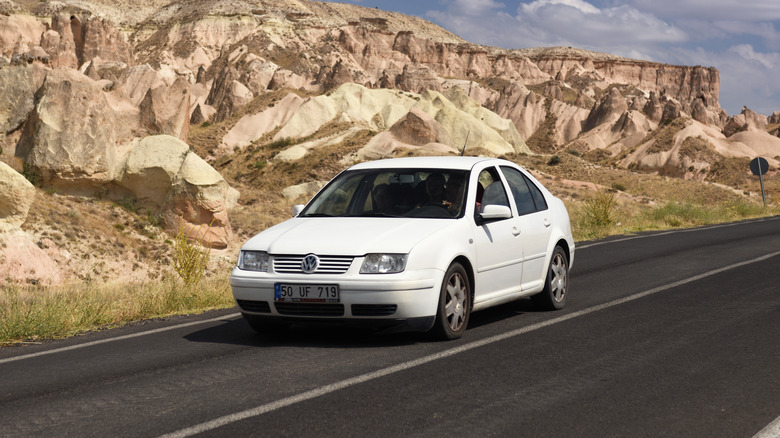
pixel 553 297
pixel 454 309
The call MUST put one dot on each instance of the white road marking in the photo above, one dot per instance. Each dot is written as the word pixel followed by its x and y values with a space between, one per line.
pixel 118 338
pixel 772 430
pixel 314 393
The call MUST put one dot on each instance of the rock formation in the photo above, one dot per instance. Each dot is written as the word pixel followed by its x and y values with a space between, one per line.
pixel 16 196
pixel 69 139
pixel 165 176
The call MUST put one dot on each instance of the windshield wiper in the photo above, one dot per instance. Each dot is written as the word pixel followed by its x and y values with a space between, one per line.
pixel 373 214
pixel 317 215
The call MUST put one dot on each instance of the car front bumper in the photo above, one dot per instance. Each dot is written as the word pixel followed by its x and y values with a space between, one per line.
pixel 404 301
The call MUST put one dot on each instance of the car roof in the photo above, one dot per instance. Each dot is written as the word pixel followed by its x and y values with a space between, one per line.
pixel 443 162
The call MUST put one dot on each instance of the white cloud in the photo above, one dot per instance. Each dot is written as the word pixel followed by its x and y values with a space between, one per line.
pixel 475 7
pixel 580 5
pixel 622 25
pixel 622 30
pixel 754 10
pixel 746 52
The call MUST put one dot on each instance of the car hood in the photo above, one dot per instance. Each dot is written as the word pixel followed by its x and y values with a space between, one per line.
pixel 346 236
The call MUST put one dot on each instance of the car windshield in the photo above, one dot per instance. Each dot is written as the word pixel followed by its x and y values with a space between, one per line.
pixel 426 193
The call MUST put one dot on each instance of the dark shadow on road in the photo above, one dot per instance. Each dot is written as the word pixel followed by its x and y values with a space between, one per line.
pixel 500 313
pixel 237 332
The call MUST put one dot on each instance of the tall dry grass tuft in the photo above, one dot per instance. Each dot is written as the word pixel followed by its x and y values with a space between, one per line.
pixel 599 209
pixel 190 258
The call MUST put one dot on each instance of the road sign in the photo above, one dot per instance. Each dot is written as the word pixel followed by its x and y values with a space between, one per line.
pixel 759 166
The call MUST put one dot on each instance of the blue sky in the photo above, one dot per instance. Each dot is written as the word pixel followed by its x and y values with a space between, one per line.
pixel 739 38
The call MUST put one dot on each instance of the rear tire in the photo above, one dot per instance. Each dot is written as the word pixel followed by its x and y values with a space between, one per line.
pixel 262 325
pixel 452 316
pixel 553 297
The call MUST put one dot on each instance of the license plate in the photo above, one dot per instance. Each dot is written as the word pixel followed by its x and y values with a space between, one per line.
pixel 306 293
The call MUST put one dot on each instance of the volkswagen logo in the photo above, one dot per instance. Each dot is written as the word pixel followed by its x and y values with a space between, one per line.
pixel 310 263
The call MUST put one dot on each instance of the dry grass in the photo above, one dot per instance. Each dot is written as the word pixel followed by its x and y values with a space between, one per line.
pixel 98 240
pixel 630 218
pixel 699 149
pixel 542 140
pixel 663 137
pixel 34 314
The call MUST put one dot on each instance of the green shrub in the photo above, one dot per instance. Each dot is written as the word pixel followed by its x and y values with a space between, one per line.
pixel 31 174
pixel 282 142
pixel 128 204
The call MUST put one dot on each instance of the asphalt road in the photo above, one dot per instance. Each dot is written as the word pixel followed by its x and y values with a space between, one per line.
pixel 665 334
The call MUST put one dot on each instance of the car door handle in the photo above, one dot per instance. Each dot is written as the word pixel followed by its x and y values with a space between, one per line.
pixel 547 223
pixel 515 231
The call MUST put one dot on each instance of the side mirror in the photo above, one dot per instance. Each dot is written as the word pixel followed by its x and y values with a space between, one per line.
pixel 493 212
pixel 297 209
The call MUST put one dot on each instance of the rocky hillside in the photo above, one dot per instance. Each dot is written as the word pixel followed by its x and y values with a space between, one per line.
pixel 199 113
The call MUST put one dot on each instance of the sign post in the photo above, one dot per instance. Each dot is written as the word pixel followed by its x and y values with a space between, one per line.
pixel 759 166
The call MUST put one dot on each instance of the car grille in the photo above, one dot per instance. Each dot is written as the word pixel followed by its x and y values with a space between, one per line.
pixel 254 306
pixel 328 264
pixel 309 309
pixel 373 309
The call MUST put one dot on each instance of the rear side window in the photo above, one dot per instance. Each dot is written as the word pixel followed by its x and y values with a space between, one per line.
pixel 528 197
pixel 541 203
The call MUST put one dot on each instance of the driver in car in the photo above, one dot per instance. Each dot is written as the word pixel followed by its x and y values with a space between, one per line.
pixel 434 188
pixel 385 201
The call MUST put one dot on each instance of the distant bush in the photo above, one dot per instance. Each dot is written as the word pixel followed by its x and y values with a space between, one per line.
pixel 554 160
pixel 128 204
pixel 282 142
pixel 31 174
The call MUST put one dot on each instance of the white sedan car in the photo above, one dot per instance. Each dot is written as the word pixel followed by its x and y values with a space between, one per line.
pixel 411 244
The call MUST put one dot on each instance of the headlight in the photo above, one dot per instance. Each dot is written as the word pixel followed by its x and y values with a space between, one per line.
pixel 383 263
pixel 253 261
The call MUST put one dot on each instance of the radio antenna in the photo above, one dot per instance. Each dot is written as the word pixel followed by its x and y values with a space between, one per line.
pixel 464 143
